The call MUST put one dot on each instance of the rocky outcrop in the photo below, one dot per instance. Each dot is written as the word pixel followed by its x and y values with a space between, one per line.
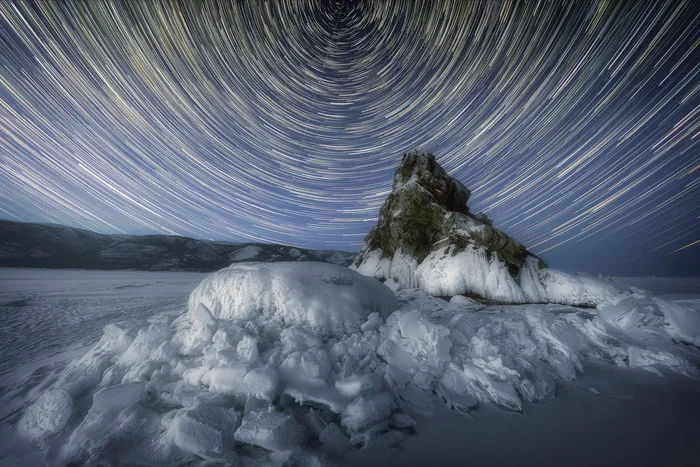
pixel 426 237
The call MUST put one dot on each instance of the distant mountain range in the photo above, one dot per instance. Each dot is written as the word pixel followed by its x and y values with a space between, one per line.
pixel 57 246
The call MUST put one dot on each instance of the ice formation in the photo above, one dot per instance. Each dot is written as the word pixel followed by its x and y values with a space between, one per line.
pixel 244 374
pixel 426 237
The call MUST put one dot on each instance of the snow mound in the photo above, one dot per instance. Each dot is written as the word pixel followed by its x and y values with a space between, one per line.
pixel 326 298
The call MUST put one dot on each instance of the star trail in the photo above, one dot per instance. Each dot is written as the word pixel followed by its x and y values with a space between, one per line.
pixel 575 124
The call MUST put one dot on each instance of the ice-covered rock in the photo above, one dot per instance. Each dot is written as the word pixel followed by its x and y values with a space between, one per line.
pixel 426 237
pixel 324 298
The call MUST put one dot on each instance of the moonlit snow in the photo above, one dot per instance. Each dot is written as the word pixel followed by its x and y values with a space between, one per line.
pixel 312 364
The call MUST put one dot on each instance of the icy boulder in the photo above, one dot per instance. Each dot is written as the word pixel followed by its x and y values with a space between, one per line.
pixel 325 298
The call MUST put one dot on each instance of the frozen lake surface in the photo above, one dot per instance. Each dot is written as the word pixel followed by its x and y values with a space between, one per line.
pixel 607 415
pixel 45 312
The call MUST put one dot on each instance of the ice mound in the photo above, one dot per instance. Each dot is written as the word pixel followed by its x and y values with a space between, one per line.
pixel 325 298
pixel 215 386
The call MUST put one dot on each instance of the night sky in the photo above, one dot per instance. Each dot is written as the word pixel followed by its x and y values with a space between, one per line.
pixel 575 124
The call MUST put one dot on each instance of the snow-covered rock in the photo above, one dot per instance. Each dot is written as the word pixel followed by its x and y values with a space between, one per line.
pixel 426 237
pixel 325 298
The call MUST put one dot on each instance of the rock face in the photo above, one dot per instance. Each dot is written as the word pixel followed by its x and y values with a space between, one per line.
pixel 427 210
pixel 426 237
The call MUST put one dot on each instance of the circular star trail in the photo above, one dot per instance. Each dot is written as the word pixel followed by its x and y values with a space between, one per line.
pixel 575 124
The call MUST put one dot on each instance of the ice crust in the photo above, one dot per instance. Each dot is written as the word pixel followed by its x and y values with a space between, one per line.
pixel 230 380
pixel 471 271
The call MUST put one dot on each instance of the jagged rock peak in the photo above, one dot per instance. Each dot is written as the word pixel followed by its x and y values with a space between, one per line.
pixel 421 167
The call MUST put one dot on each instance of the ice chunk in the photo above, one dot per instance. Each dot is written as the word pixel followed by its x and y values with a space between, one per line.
pixel 47 415
pixel 682 322
pixel 201 315
pixel 261 383
pixel 315 392
pixel 374 322
pixel 324 298
pixel 298 338
pixel 315 422
pixel 577 290
pixel 501 393
pixel 416 345
pixel 229 379
pixel 273 431
pixel 247 348
pixel 240 380
pixel 204 429
pixel 118 397
pixel 366 410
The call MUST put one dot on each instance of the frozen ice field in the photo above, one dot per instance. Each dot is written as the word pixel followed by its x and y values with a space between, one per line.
pixel 119 368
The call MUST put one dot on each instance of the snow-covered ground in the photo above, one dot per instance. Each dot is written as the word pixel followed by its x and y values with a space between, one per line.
pixel 243 373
